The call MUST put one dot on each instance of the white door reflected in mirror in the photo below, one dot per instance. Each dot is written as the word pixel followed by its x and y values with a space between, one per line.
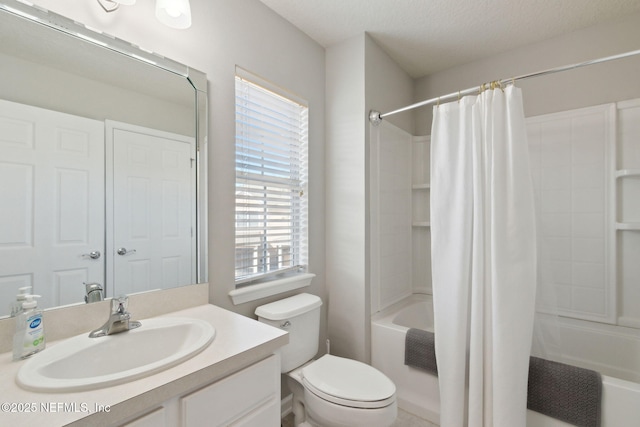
pixel 52 216
pixel 153 215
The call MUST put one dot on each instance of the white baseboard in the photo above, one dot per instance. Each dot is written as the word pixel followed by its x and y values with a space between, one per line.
pixel 286 405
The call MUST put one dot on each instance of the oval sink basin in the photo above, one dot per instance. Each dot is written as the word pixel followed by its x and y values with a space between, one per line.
pixel 83 363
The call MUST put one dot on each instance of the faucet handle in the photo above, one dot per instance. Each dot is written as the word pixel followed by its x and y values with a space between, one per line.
pixel 119 319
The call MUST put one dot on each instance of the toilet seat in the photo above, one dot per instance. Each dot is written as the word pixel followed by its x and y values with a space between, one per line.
pixel 348 382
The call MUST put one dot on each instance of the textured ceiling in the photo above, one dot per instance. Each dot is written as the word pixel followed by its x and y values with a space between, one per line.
pixel 425 36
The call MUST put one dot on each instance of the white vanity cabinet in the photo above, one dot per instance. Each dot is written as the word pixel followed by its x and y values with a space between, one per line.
pixel 247 398
pixel 250 397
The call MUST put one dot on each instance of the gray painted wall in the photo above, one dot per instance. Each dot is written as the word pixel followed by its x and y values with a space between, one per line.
pixel 360 77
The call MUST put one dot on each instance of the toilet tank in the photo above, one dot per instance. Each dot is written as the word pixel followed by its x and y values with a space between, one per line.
pixel 300 316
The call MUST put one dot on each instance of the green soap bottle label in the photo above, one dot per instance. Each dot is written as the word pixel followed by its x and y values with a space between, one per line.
pixel 34 335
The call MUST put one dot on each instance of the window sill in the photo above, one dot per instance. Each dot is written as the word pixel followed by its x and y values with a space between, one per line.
pixel 273 287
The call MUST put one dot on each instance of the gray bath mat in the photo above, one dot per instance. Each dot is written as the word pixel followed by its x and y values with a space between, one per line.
pixel 420 351
pixel 565 392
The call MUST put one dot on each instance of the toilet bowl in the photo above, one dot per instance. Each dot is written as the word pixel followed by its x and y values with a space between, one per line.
pixel 345 392
pixel 330 391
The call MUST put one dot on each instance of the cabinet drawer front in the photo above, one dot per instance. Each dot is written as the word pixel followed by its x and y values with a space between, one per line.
pixel 236 396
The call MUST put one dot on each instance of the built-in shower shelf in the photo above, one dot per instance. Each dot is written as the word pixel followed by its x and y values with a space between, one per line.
pixel 421 224
pixel 421 186
pixel 628 226
pixel 628 173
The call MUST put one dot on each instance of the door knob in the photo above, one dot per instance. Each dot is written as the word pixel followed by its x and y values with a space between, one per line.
pixel 92 255
pixel 124 251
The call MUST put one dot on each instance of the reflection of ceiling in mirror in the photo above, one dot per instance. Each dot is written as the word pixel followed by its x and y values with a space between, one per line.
pixel 38 43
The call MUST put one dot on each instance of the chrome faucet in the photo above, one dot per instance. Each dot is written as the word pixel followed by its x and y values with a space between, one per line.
pixel 93 292
pixel 119 319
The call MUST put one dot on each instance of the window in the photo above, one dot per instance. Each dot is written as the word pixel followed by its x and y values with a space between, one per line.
pixel 271 178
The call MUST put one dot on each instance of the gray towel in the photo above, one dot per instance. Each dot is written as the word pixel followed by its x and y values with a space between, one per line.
pixel 420 351
pixel 565 392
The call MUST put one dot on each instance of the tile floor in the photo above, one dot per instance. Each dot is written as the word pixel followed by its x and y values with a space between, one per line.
pixel 404 419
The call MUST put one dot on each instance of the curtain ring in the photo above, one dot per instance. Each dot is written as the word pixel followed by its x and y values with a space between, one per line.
pixel 458 97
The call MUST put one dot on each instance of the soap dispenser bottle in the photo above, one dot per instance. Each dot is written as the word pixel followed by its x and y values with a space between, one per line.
pixel 16 306
pixel 29 336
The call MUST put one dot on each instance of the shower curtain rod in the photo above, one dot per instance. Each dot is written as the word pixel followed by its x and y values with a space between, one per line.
pixel 375 117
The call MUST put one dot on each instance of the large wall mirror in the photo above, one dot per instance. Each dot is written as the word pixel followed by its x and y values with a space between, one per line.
pixel 102 163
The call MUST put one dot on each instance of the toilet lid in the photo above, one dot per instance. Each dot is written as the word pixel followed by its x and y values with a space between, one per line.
pixel 348 382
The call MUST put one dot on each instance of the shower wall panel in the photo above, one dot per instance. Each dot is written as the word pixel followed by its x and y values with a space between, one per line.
pixel 627 218
pixel 571 155
pixel 421 206
pixel 390 216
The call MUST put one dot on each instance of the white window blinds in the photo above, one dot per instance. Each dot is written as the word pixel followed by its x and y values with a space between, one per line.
pixel 271 176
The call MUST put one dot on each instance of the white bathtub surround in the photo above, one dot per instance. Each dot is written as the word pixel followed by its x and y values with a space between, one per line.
pixel 483 257
pixel 572 163
pixel 390 215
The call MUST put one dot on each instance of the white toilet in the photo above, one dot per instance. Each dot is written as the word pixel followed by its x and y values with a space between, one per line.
pixel 331 391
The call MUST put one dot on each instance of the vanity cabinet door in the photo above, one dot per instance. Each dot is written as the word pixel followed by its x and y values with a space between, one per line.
pixel 155 418
pixel 247 398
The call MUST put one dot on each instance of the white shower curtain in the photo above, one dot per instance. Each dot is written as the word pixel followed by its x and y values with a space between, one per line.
pixel 483 258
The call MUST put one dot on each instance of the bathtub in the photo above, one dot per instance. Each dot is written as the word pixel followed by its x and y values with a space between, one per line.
pixel 417 390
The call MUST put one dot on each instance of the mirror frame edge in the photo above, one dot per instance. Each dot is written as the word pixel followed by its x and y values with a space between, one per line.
pixel 198 80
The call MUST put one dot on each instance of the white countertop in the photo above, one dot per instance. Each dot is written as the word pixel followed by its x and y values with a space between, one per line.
pixel 239 342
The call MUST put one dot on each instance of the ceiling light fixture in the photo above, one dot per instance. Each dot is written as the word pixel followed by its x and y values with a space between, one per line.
pixel 172 13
